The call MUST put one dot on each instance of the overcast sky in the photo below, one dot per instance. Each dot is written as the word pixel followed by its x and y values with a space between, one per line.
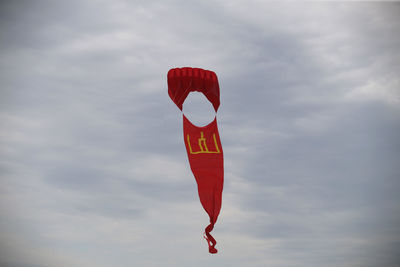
pixel 93 167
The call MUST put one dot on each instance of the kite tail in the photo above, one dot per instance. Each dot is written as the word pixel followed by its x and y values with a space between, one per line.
pixel 210 240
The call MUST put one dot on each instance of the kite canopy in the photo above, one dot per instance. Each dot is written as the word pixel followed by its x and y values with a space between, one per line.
pixel 182 81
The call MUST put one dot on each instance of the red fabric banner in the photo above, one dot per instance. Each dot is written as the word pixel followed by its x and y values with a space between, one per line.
pixel 205 155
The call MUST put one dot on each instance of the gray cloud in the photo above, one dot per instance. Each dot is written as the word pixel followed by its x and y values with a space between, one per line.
pixel 93 167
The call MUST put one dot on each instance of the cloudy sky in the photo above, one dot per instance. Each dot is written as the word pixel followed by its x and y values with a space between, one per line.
pixel 93 168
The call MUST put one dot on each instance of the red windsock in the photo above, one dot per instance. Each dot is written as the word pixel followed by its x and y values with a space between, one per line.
pixel 203 144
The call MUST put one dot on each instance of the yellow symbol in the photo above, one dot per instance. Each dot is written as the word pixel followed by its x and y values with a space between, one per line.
pixel 203 145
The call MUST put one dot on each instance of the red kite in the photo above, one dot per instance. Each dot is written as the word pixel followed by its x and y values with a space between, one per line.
pixel 203 144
